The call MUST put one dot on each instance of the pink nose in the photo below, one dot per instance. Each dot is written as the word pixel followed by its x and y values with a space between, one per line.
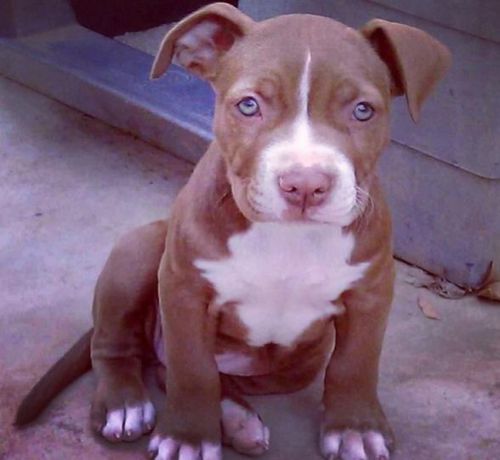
pixel 305 187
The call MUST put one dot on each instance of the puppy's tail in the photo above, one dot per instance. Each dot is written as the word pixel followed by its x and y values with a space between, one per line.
pixel 75 362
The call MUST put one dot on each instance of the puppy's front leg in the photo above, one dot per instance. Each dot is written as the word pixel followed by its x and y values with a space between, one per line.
pixel 189 426
pixel 354 424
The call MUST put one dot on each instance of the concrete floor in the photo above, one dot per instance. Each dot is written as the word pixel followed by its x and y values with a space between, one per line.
pixel 71 185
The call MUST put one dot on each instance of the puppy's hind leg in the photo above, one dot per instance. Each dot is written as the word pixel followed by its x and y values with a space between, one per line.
pixel 125 296
pixel 242 427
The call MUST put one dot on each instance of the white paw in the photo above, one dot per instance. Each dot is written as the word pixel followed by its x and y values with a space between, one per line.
pixel 243 429
pixel 170 449
pixel 353 445
pixel 129 423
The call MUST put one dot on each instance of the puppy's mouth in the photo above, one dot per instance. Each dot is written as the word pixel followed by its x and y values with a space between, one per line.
pixel 311 215
pixel 299 214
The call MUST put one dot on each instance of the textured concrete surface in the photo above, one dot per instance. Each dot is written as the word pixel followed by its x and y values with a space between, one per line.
pixel 69 186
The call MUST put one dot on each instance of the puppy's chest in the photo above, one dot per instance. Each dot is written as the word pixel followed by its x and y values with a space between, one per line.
pixel 283 278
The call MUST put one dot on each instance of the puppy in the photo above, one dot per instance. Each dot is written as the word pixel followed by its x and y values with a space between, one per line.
pixel 278 246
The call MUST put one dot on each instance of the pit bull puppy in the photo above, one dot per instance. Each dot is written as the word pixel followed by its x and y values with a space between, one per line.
pixel 278 246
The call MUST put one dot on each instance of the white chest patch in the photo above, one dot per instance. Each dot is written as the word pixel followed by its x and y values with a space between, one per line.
pixel 283 277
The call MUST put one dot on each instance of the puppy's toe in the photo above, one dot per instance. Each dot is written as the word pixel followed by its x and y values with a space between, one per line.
pixel 113 429
pixel 243 429
pixel 168 448
pixel 129 423
pixel 375 445
pixel 354 445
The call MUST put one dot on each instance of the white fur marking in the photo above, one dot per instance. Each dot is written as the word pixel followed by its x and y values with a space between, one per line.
pixel 375 445
pixel 114 424
pixel 129 421
pixel 283 277
pixel 211 451
pixel 149 414
pixel 330 444
pixel 234 363
pixel 304 88
pixel 154 443
pixel 187 452
pixel 166 449
pixel 169 448
pixel 352 446
pixel 133 419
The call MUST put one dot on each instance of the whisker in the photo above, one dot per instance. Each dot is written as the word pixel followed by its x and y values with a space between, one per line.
pixel 364 201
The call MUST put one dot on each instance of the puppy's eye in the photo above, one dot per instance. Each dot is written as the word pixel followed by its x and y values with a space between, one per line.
pixel 248 106
pixel 363 111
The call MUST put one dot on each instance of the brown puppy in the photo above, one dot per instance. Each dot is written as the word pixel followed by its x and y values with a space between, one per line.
pixel 280 240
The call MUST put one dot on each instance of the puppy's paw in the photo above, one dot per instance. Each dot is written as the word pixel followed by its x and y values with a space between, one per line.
pixel 243 429
pixel 354 428
pixel 354 445
pixel 129 423
pixel 123 422
pixel 168 448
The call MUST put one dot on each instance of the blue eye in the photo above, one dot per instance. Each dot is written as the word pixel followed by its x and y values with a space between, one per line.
pixel 248 106
pixel 363 111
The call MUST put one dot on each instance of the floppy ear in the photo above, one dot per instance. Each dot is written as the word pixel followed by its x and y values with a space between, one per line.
pixel 415 60
pixel 198 41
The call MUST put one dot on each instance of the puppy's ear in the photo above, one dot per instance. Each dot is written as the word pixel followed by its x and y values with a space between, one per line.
pixel 198 41
pixel 415 60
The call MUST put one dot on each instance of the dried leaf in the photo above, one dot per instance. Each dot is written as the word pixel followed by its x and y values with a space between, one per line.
pixel 446 289
pixel 419 278
pixel 427 308
pixel 491 291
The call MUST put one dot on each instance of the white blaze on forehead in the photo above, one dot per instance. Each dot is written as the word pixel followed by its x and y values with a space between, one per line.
pixel 302 136
pixel 304 87
pixel 300 148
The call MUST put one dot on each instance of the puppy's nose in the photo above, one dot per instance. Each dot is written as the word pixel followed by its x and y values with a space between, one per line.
pixel 305 187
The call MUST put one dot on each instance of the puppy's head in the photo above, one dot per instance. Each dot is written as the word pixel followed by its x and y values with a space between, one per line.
pixel 303 103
